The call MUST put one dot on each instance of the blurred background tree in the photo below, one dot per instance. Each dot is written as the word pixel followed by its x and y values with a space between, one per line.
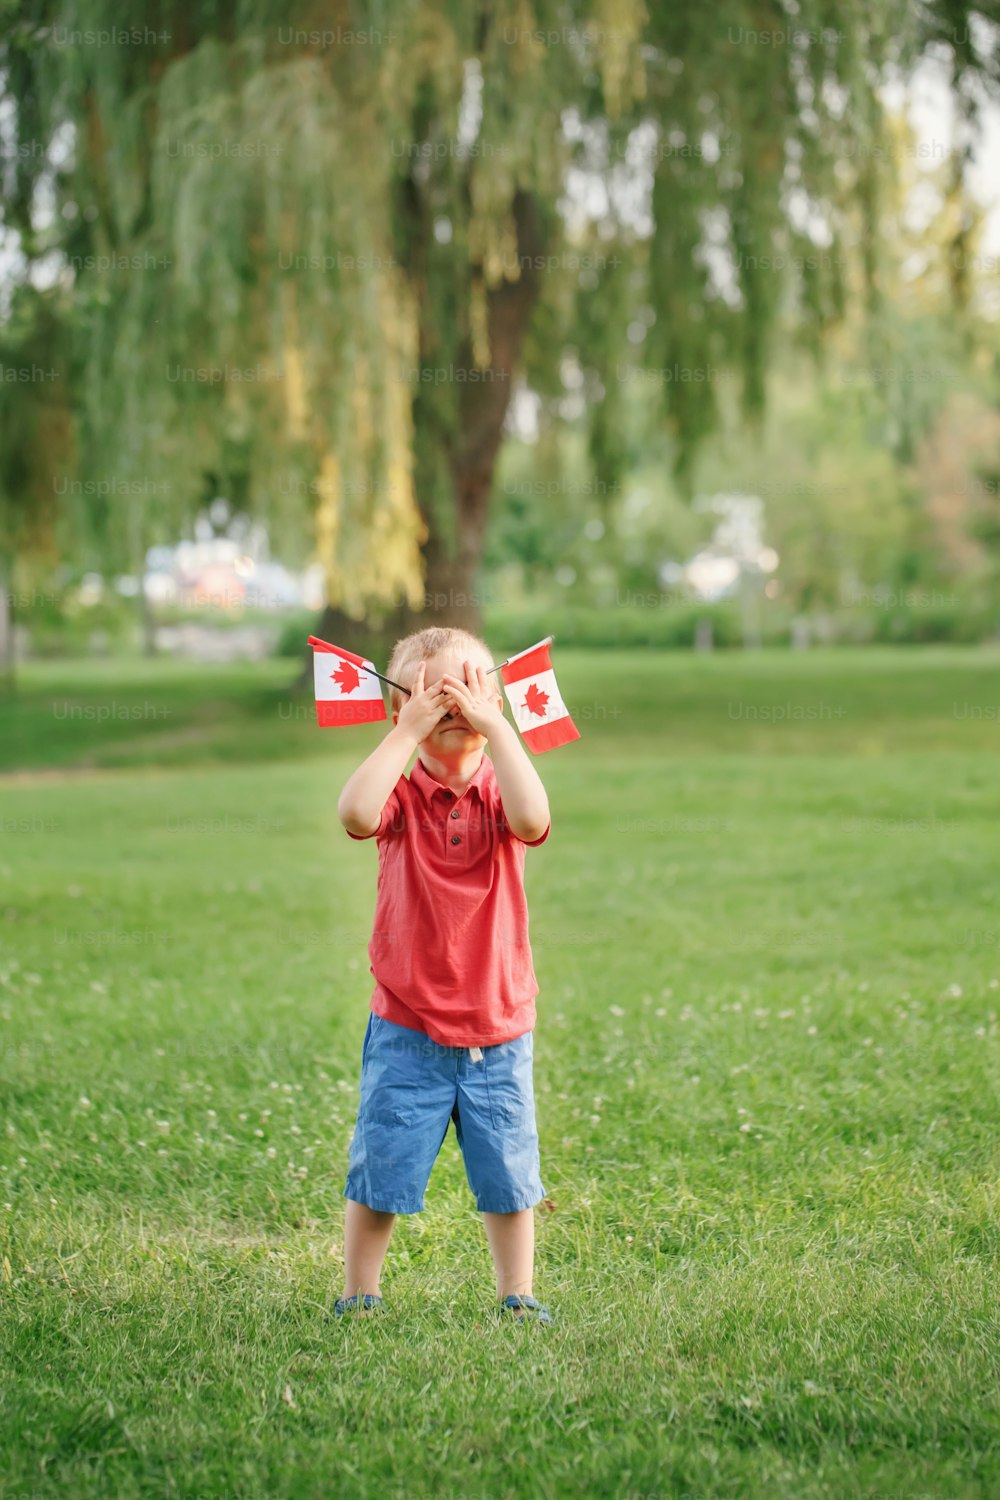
pixel 326 267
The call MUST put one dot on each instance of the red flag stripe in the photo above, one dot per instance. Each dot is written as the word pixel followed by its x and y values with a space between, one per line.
pixel 528 664
pixel 550 736
pixel 333 713
pixel 318 645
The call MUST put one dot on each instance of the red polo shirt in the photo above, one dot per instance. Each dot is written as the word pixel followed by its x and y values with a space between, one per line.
pixel 449 949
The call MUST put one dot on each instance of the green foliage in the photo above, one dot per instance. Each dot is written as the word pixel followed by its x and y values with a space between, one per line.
pixel 59 627
pixel 330 216
pixel 664 625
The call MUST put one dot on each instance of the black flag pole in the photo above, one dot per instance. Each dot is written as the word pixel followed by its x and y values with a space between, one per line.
pixel 315 642
pixel 334 651
pixel 505 663
pixel 546 642
pixel 410 695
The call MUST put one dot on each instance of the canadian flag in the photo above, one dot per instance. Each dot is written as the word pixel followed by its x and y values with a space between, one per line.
pixel 535 701
pixel 348 690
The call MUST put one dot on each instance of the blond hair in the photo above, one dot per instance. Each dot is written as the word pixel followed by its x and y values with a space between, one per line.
pixel 408 653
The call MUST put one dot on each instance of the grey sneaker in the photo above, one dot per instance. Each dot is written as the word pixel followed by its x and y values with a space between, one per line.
pixel 344 1304
pixel 535 1310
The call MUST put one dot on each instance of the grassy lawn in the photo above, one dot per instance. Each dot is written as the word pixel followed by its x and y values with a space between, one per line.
pixel 766 933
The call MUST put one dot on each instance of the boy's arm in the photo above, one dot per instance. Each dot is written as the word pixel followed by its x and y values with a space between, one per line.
pixel 525 805
pixel 360 804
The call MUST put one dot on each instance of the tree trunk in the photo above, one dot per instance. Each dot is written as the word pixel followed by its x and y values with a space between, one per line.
pixel 7 648
pixel 452 590
pixel 137 551
pixel 147 623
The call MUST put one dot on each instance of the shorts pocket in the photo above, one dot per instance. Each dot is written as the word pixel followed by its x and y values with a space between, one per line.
pixel 510 1112
pixel 384 1115
pixel 511 1084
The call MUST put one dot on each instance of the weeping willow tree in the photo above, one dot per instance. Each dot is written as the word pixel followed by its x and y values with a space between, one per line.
pixel 35 421
pixel 315 255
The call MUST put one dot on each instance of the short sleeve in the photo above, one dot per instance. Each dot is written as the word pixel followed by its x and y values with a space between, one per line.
pixel 508 833
pixel 389 814
pixel 533 843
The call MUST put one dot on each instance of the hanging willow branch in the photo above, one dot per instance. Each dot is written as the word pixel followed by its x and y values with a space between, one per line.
pixel 277 241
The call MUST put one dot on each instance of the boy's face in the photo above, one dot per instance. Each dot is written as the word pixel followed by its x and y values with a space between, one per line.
pixel 452 736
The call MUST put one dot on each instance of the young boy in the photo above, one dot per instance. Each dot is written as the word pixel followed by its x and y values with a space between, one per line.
pixel 449 1035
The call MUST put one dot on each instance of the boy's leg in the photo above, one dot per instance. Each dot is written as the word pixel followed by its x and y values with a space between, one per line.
pixel 512 1243
pixel 366 1239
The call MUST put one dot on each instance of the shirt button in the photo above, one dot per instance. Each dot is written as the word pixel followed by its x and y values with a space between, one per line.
pixel 456 838
pixel 455 813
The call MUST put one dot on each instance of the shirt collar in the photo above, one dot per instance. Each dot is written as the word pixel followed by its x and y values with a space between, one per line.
pixel 423 779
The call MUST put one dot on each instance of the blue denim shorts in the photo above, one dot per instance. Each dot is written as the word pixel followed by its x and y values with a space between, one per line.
pixel 411 1088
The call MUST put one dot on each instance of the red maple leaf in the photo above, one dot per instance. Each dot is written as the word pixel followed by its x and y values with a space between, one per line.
pixel 536 701
pixel 347 677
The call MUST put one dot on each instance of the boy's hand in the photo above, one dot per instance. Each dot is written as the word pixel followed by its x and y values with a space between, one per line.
pixel 474 698
pixel 424 708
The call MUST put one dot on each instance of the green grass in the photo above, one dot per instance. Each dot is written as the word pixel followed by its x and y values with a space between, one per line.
pixel 770 949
